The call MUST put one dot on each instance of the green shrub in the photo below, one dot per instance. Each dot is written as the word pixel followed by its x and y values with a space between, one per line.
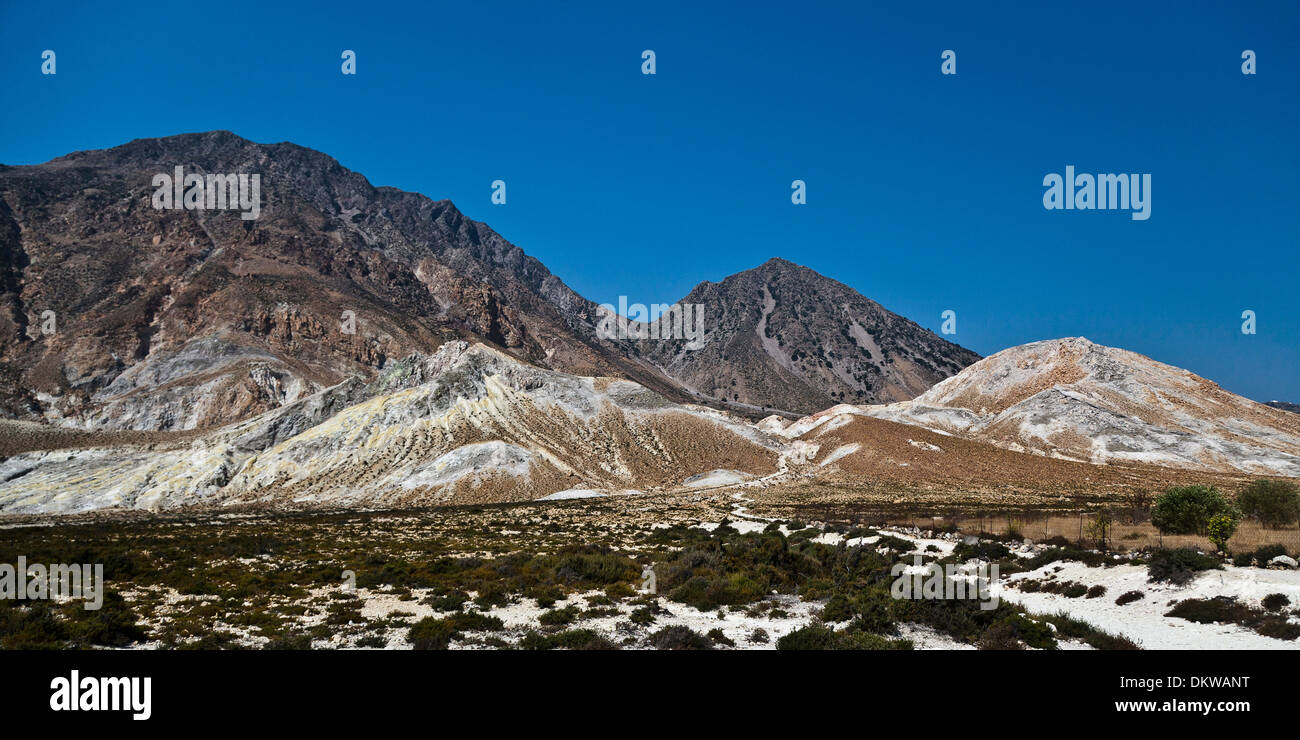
pixel 1074 590
pixel 431 634
pixel 897 544
pixel 680 637
pixel 1278 628
pixel 1000 636
pixel 1267 553
pixel 1276 602
pixel 291 642
pixel 1188 509
pixel 812 637
pixel 581 639
pixel 476 622
pixel 559 617
pixel 1220 529
pixel 820 637
pixel 838 609
pixel 1274 503
pixel 990 551
pixel 1210 611
pixel 1179 566
pixel 869 610
pixel 451 601
pixel 1066 552
pixel 1228 611
pixel 1076 629
pixel 1096 591
pixel 1017 628
pixel 1129 597
pixel 720 638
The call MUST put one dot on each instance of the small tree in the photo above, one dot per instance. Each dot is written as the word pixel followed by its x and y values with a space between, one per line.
pixel 1099 528
pixel 1139 502
pixel 1188 509
pixel 1275 503
pixel 1220 529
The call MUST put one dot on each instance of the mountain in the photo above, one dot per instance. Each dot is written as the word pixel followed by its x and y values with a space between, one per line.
pixel 1073 399
pixel 468 424
pixel 1285 406
pixel 184 319
pixel 116 315
pixel 782 337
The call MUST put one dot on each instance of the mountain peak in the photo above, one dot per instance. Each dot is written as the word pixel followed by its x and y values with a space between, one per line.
pixel 781 336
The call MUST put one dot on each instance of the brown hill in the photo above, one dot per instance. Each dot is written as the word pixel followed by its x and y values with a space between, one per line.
pixel 181 319
pixel 783 337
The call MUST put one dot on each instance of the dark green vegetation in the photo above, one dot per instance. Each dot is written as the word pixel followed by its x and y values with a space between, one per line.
pixel 1129 597
pixel 1274 503
pixel 1259 557
pixel 1179 566
pixel 1190 509
pixel 277 581
pixel 1226 610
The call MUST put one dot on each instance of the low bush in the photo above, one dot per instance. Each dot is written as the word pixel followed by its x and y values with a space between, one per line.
pixel 991 551
pixel 558 617
pixel 1009 632
pixel 820 637
pixel 431 634
pixel 1074 590
pixel 580 639
pixel 1276 602
pixel 720 638
pixel 680 637
pixel 1129 597
pixel 1179 566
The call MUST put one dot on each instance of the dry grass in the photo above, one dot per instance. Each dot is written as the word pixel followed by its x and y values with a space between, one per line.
pixel 1125 535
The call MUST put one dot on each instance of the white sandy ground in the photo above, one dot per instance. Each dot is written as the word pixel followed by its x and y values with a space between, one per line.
pixel 573 493
pixel 1143 621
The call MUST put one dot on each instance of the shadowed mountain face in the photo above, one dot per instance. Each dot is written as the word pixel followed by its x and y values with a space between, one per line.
pixel 176 319
pixel 783 337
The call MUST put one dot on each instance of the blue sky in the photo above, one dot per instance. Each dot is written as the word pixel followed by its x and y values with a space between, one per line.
pixel 924 191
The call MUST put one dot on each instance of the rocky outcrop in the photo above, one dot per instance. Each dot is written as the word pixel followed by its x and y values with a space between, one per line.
pixel 467 424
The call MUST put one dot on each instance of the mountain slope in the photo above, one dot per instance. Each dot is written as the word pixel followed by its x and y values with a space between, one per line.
pixel 467 424
pixel 183 319
pixel 1079 400
pixel 783 337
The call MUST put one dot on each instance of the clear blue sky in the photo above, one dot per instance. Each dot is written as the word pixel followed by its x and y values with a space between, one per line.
pixel 924 191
